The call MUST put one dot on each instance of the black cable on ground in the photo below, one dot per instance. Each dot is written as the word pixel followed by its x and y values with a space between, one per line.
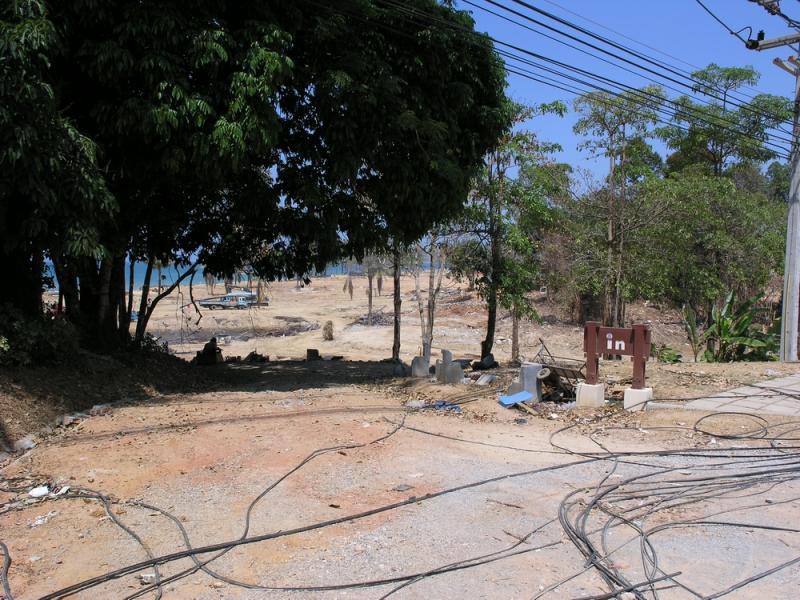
pixel 722 473
pixel 167 558
pixel 7 595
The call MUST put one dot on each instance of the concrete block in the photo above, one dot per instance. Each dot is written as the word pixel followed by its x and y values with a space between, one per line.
pixel 438 371
pixel 453 373
pixel 635 400
pixel 447 357
pixel 590 396
pixel 420 367
pixel 531 383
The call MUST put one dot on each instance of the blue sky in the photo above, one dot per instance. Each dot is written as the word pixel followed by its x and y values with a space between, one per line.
pixel 680 28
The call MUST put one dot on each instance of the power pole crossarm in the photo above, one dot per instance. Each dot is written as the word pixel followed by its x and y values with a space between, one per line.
pixel 784 40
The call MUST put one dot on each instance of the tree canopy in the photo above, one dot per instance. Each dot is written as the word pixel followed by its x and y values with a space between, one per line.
pixel 281 135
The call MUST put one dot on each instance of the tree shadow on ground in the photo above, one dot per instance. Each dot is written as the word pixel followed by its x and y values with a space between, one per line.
pixel 36 397
pixel 5 442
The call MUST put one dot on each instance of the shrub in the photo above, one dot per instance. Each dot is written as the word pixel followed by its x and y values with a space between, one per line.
pixel 151 344
pixel 665 354
pixel 734 336
pixel 26 340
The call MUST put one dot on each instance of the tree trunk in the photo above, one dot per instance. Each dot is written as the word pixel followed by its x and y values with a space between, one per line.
pixel 397 302
pixel 68 286
pixel 494 281
pixel 370 277
pixel 426 341
pixel 514 336
pixel 131 274
pixel 141 323
pixel 608 305
pixel 104 318
pixel 144 319
pixel 123 316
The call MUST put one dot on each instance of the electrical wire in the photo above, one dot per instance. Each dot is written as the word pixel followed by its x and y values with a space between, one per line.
pixel 780 151
pixel 6 567
pixel 721 22
pixel 638 59
pixel 725 474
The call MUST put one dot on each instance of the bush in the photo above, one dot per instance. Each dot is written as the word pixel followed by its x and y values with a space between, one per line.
pixel 151 344
pixel 26 340
pixel 327 331
pixel 665 354
pixel 735 336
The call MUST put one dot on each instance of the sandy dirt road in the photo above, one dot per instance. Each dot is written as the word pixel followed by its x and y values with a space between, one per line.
pixel 204 459
pixel 486 503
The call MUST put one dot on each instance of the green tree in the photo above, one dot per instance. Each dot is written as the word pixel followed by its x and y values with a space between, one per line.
pixel 615 126
pixel 502 218
pixel 721 132
pixel 282 135
pixel 53 198
pixel 711 239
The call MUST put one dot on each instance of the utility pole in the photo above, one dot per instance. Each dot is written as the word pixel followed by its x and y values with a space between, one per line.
pixel 791 269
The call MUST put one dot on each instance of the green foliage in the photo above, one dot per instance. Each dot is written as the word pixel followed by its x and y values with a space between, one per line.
pixel 692 329
pixel 715 134
pixel 507 213
pixel 665 354
pixel 734 334
pixel 278 134
pixel 26 340
pixel 52 194
pixel 709 238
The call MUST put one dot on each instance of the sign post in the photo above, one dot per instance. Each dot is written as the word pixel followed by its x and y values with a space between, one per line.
pixel 627 341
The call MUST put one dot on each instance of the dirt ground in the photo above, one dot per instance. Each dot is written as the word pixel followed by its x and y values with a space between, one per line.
pixel 459 327
pixel 321 483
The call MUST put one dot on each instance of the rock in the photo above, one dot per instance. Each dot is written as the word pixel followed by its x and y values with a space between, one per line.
pixel 23 444
pixel 39 492
pixel 67 420
pixel 420 367
pixel 485 379
pixel 403 487
pixel 416 404
pixel 447 357
pixel 98 410
pixel 147 578
pixel 439 371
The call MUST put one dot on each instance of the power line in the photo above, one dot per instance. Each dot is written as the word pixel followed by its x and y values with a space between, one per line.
pixel 583 71
pixel 649 47
pixel 721 22
pixel 690 84
pixel 427 17
pixel 731 96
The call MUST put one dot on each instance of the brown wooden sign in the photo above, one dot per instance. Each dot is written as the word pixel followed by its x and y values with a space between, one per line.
pixel 627 341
